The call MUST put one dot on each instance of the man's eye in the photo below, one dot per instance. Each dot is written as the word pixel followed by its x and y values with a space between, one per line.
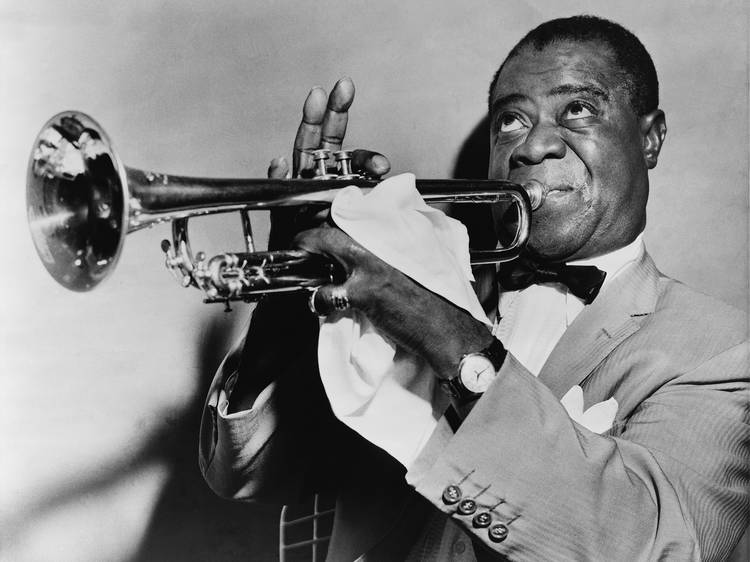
pixel 577 110
pixel 508 123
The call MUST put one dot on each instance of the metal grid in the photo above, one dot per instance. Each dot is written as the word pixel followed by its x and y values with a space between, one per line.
pixel 318 544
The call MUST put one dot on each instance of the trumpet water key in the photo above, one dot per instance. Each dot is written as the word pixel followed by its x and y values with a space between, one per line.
pixel 82 202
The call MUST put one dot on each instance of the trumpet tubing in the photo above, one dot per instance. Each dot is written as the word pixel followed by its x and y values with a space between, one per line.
pixel 82 202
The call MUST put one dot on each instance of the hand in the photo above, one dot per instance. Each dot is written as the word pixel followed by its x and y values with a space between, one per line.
pixel 413 317
pixel 324 120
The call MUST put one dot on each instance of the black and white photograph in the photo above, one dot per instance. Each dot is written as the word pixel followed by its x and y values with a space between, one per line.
pixel 375 281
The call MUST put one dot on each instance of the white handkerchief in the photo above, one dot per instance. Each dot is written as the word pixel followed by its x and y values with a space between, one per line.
pixel 395 224
pixel 597 418
pixel 386 394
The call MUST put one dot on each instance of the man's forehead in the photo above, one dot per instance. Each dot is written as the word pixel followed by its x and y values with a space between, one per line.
pixel 558 67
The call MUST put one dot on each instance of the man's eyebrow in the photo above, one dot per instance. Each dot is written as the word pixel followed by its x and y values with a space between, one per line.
pixel 506 100
pixel 568 89
pixel 561 90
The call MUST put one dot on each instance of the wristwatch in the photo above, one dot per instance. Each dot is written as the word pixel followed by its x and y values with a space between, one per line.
pixel 475 372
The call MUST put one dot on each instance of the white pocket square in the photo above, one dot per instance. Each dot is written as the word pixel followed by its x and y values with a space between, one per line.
pixel 597 418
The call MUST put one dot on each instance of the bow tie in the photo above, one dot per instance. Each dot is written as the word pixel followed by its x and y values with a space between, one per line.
pixel 583 281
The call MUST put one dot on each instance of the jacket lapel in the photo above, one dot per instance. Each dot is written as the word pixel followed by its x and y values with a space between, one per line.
pixel 617 313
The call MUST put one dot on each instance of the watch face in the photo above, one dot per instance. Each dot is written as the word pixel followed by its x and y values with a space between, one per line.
pixel 477 372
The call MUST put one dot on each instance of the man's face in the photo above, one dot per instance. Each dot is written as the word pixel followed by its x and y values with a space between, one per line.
pixel 561 116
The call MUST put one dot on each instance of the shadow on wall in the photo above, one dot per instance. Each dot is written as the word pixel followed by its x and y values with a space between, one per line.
pixel 472 163
pixel 191 523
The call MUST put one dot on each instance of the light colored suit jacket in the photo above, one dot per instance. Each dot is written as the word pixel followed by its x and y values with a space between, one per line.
pixel 669 480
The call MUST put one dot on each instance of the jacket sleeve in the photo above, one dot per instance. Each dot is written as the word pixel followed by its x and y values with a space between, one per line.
pixel 669 481
pixel 282 449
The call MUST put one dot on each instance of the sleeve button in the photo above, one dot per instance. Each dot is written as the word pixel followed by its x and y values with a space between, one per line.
pixel 482 520
pixel 451 494
pixel 467 507
pixel 498 532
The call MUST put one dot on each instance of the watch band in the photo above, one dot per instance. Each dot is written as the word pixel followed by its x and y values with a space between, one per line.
pixel 496 353
pixel 455 387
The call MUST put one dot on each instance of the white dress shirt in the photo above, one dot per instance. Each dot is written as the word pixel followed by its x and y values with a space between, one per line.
pixel 532 320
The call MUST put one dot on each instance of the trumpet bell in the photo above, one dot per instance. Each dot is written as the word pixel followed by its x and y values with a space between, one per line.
pixel 77 201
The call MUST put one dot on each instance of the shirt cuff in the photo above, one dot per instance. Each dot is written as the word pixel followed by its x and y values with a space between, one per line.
pixel 226 392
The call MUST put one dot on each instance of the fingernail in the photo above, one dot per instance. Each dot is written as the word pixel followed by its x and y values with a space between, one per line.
pixel 381 163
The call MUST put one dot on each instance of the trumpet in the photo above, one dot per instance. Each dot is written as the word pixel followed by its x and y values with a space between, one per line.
pixel 82 202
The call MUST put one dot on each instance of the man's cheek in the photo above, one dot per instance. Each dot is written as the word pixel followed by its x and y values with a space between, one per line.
pixel 499 163
pixel 497 172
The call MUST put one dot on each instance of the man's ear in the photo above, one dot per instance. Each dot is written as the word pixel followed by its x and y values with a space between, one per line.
pixel 653 131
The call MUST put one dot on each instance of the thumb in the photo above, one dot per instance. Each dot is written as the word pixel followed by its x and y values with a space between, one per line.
pixel 279 168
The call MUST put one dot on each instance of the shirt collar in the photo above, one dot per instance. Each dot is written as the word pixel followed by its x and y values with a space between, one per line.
pixel 612 263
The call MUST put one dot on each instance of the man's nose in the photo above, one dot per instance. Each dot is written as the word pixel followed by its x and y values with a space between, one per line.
pixel 542 142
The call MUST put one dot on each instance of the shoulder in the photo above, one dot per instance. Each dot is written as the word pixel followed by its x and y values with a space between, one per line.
pixel 677 309
pixel 689 344
pixel 689 331
pixel 681 306
pixel 677 330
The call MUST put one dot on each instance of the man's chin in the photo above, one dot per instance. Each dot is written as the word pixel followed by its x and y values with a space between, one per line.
pixel 550 240
pixel 545 255
pixel 538 247
pixel 550 248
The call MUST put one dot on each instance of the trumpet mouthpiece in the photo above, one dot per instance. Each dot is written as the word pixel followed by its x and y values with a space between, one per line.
pixel 536 191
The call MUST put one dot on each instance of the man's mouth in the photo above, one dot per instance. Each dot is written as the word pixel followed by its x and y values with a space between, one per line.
pixel 539 191
pixel 549 184
pixel 558 189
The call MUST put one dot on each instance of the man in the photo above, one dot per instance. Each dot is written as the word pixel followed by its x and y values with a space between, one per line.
pixel 521 470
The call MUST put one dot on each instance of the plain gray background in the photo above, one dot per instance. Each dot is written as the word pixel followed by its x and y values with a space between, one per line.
pixel 102 392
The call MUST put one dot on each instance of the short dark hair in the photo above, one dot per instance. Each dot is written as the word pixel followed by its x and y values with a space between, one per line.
pixel 639 75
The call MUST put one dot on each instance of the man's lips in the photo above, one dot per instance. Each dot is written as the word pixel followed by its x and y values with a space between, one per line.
pixel 550 187
pixel 558 189
pixel 547 191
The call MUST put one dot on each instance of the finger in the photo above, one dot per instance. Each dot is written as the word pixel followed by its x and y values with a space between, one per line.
pixel 308 133
pixel 371 163
pixel 279 168
pixel 283 219
pixel 331 298
pixel 336 115
pixel 331 242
